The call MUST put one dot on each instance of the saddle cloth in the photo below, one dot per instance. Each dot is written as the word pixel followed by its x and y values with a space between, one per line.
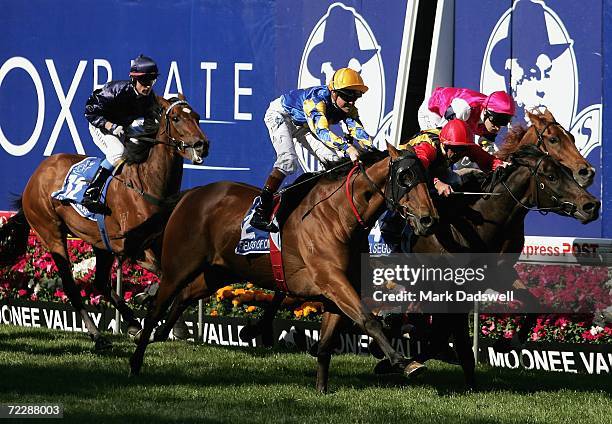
pixel 252 240
pixel 75 184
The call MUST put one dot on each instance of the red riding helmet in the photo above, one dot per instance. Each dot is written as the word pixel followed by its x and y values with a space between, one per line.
pixel 500 102
pixel 456 133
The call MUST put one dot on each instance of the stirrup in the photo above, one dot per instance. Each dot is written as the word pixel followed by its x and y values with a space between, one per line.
pixel 264 225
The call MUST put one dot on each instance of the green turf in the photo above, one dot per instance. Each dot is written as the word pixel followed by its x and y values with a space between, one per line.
pixel 184 382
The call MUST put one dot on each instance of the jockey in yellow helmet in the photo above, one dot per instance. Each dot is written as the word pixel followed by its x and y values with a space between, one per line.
pixel 306 114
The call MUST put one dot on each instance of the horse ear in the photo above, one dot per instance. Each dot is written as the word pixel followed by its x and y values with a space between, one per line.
pixel 163 102
pixel 393 152
pixel 181 96
pixel 533 117
pixel 549 116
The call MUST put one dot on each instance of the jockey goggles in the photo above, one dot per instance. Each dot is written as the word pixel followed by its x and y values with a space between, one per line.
pixel 498 119
pixel 146 79
pixel 349 95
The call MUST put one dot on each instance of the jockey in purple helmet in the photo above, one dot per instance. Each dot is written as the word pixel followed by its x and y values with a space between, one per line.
pixel 485 115
pixel 110 110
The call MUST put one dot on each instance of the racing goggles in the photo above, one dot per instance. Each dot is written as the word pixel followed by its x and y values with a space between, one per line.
pixel 498 119
pixel 349 96
pixel 146 80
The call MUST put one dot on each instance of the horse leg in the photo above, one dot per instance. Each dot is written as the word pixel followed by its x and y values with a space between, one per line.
pixel 263 326
pixel 169 287
pixel 104 263
pixel 194 291
pixel 60 257
pixel 326 345
pixel 463 347
pixel 345 297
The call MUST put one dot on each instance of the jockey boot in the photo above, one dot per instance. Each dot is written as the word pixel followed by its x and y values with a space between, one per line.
pixel 261 217
pixel 91 198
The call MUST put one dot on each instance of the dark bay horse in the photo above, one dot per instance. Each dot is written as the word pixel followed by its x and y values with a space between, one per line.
pixel 136 193
pixel 321 245
pixel 533 181
pixel 548 136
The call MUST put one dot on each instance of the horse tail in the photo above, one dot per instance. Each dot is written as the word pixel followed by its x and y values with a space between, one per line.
pixel 14 236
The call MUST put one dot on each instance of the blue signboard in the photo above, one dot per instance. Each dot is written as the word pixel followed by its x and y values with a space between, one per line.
pixel 230 59
pixel 545 53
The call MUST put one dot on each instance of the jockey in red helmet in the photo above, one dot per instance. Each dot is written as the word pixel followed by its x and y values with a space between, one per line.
pixel 485 115
pixel 438 150
pixel 110 110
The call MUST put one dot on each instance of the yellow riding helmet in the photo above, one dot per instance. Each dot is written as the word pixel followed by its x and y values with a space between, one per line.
pixel 347 78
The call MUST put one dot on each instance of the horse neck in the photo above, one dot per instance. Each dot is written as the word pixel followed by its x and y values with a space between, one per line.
pixel 367 199
pixel 507 213
pixel 160 175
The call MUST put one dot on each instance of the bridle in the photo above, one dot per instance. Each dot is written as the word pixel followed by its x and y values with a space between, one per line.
pixel 540 134
pixel 405 173
pixel 565 207
pixel 176 143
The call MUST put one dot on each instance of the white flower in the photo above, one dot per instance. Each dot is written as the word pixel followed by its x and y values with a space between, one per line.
pixel 80 269
pixel 595 330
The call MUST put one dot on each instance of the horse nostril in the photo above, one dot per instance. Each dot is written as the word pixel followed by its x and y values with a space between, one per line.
pixel 584 172
pixel 590 207
pixel 426 221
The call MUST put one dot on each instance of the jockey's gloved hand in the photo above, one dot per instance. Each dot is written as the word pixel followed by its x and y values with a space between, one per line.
pixel 117 130
pixel 353 153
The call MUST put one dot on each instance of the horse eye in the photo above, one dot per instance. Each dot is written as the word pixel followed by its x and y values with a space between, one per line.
pixel 551 178
pixel 175 119
pixel 553 139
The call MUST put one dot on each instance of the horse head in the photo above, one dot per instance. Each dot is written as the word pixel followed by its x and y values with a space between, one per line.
pixel 546 133
pixel 407 190
pixel 552 187
pixel 180 125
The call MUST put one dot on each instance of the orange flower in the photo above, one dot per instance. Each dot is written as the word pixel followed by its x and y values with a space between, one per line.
pixel 298 313
pixel 238 292
pixel 249 285
pixel 214 313
pixel 308 309
pixel 236 302
pixel 251 309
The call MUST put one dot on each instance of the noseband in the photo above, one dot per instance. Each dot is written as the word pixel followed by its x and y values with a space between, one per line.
pixel 179 144
pixel 565 207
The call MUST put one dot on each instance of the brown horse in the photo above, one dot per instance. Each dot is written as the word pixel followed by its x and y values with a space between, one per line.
pixel 546 134
pixel 321 244
pixel 136 193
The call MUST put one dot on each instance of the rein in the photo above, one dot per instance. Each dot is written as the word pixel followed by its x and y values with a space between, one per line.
pixel 567 208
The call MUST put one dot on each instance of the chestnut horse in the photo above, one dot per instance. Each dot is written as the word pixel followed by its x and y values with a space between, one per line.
pixel 546 134
pixel 321 245
pixel 137 192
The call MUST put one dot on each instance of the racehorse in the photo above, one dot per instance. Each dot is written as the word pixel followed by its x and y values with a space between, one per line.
pixel 533 181
pixel 135 193
pixel 321 244
pixel 547 135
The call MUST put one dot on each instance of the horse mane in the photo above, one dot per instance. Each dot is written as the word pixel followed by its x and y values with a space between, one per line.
pixel 511 142
pixel 137 151
pixel 342 167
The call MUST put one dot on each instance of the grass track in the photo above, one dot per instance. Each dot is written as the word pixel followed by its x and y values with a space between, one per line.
pixel 183 382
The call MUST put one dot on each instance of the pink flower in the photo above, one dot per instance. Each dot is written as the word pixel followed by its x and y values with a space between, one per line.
pixel 508 334
pixel 22 292
pixel 127 296
pixel 95 300
pixel 33 297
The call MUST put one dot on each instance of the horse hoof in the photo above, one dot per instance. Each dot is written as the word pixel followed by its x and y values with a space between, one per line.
pixel 384 367
pixel 134 329
pixel 102 344
pixel 414 368
pixel 180 331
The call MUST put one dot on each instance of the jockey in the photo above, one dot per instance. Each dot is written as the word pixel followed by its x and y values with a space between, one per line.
pixel 438 150
pixel 110 110
pixel 485 115
pixel 306 114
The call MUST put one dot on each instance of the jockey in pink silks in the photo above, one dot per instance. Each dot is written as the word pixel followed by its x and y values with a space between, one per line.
pixel 485 115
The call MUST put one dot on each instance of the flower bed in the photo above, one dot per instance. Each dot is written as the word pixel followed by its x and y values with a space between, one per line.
pixel 34 277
